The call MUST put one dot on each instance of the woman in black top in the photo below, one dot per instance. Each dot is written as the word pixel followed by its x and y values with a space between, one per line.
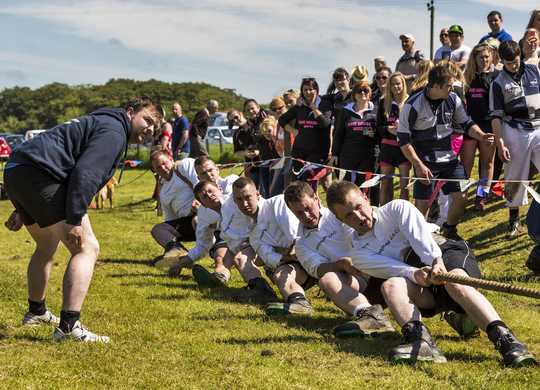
pixel 391 156
pixel 355 136
pixel 478 77
pixel 338 92
pixel 311 117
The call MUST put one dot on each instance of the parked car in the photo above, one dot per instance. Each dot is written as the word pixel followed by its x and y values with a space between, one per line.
pixel 218 127
pixel 14 140
pixel 32 133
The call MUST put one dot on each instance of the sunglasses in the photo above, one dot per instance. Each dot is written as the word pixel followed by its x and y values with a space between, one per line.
pixel 443 35
pixel 363 90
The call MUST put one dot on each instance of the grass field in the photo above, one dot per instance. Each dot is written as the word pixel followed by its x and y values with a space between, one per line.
pixel 167 333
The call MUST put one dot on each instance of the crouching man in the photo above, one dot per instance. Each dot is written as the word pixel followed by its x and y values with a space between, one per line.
pixel 323 249
pixel 380 244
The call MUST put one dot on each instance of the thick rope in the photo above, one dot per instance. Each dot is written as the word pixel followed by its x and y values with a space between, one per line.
pixel 488 285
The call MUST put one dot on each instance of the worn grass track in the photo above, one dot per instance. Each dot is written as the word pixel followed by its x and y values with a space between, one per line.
pixel 166 333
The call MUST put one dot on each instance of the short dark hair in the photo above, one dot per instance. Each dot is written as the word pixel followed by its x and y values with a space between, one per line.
pixel 142 102
pixel 247 101
pixel 158 153
pixel 440 75
pixel 308 81
pixel 495 13
pixel 201 160
pixel 242 182
pixel 509 50
pixel 297 190
pixel 337 192
pixel 200 186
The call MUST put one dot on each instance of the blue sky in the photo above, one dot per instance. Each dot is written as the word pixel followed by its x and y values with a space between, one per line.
pixel 259 48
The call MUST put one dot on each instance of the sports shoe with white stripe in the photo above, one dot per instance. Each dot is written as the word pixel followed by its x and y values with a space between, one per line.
pixel 46 318
pixel 79 333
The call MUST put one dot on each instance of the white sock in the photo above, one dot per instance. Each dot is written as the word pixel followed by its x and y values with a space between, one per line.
pixel 360 307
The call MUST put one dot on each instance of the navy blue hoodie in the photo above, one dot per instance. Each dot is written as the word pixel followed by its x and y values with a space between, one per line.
pixel 82 153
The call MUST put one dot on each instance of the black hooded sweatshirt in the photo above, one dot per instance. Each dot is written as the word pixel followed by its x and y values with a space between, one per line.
pixel 82 154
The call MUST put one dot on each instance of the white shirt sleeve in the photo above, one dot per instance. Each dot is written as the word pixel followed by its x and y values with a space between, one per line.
pixel 265 251
pixel 417 231
pixel 205 236
pixel 309 258
pixel 380 266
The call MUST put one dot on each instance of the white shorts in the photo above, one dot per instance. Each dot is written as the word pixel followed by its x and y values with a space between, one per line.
pixel 524 147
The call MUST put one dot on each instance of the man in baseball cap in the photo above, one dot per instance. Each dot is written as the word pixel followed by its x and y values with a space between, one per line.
pixel 408 62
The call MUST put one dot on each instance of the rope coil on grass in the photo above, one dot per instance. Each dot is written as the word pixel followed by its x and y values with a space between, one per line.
pixel 488 285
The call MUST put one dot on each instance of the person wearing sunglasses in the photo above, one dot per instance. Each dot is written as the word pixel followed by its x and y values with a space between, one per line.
pixel 311 117
pixel 381 82
pixel 443 52
pixel 356 138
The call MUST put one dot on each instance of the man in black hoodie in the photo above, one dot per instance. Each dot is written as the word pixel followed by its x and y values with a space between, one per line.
pixel 51 180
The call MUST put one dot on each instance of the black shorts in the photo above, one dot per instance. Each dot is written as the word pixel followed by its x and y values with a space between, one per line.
pixel 308 283
pixel 484 125
pixel 451 170
pixel 373 291
pixel 391 155
pixel 184 227
pixel 456 255
pixel 37 196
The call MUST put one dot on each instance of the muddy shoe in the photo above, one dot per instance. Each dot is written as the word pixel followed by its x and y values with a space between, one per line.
pixel 462 324
pixel 514 352
pixel 369 322
pixel 418 346
pixel 300 306
pixel 175 257
pixel 205 278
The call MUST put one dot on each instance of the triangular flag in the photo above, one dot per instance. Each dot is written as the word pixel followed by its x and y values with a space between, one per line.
pixel 533 192
pixel 371 182
pixel 465 184
pixel 341 174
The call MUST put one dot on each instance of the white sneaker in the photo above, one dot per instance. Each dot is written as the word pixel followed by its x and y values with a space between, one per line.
pixel 79 333
pixel 47 318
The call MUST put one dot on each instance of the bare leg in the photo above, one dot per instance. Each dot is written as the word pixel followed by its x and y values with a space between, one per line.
pixel 80 268
pixel 288 278
pixel 473 302
pixel 467 154
pixel 245 263
pixel 39 268
pixel 387 190
pixel 404 170
pixel 403 298
pixel 422 205
pixel 487 157
pixel 457 207
pixel 343 289
pixel 223 261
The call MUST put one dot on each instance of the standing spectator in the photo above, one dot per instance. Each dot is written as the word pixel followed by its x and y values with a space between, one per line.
pixel 164 134
pixel 515 112
pixel 443 52
pixel 478 78
pixel 460 52
pixel 283 139
pixel 424 134
pixel 254 116
pixel 495 21
pixel 424 67
pixel 378 64
pixel 290 97
pixel 355 137
pixel 359 73
pixel 381 81
pixel 391 156
pixel 408 62
pixel 312 120
pixel 180 138
pixel 5 149
pixel 271 179
pixel 529 46
pixel 244 143
pixel 494 46
pixel 51 180
pixel 199 125
pixel 339 90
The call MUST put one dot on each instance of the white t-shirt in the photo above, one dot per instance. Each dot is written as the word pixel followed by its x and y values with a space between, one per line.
pixel 460 54
pixel 175 195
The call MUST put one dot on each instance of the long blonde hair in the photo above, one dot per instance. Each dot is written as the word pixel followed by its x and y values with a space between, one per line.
pixel 389 97
pixel 472 67
pixel 423 72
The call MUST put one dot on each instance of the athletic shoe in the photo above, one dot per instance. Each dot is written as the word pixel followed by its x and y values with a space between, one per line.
pixel 300 306
pixel 514 229
pixel 450 232
pixel 174 265
pixel 46 318
pixel 514 352
pixel 174 250
pixel 462 324
pixel 153 262
pixel 419 346
pixel 369 322
pixel 79 333
pixel 205 278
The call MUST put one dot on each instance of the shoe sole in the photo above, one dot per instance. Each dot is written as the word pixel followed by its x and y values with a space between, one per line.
pixel 524 361
pixel 278 308
pixel 408 359
pixel 204 278
pixel 355 332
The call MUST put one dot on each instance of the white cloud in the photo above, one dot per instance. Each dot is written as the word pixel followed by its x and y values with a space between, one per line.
pixel 519 5
pixel 259 48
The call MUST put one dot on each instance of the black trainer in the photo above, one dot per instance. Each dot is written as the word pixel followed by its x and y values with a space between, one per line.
pixel 258 289
pixel 514 352
pixel 514 229
pixel 450 232
pixel 462 324
pixel 533 262
pixel 419 346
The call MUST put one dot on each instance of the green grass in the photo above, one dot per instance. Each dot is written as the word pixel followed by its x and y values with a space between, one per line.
pixel 167 333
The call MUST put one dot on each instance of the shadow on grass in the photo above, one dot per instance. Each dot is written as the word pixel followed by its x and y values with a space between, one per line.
pixel 146 274
pixel 30 338
pixel 149 284
pixel 123 261
pixel 498 252
pixel 135 204
pixel 269 340
pixel 466 357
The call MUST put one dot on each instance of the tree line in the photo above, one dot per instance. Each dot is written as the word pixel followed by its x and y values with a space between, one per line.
pixel 23 108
